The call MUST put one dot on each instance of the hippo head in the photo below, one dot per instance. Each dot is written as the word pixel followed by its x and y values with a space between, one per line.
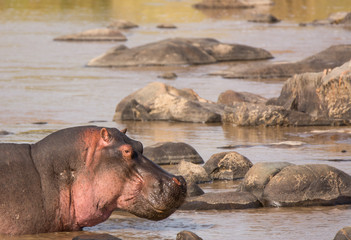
pixel 115 175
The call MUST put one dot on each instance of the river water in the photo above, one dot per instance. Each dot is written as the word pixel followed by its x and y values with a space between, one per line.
pixel 45 86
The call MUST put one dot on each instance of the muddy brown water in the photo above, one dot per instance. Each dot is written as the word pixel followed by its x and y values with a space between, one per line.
pixel 43 81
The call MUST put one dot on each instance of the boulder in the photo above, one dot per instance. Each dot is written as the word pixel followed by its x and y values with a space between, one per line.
pixel 179 51
pixel 335 19
pixel 227 166
pixel 325 95
pixel 221 201
pixel 193 190
pixel 193 172
pixel 172 153
pixel 122 24
pixel 166 26
pixel 100 34
pixel 332 57
pixel 343 234
pixel 308 185
pixel 213 4
pixel 187 235
pixel 259 175
pixel 168 75
pixel 158 101
pixel 230 97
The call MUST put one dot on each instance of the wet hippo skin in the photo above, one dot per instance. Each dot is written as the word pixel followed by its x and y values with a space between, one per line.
pixel 76 177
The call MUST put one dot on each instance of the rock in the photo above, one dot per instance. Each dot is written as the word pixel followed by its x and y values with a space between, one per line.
pixel 343 234
pixel 179 51
pixel 172 153
pixel 229 97
pixel 231 3
pixel 335 19
pixel 168 26
pixel 187 235
pixel 122 24
pixel 332 57
pixel 168 75
pixel 264 18
pixel 3 133
pixel 221 201
pixel 95 237
pixel 100 34
pixel 321 95
pixel 259 175
pixel 193 190
pixel 192 172
pixel 227 166
pixel 158 101
pixel 308 185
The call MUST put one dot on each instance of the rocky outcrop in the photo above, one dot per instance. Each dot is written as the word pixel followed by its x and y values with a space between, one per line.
pixel 100 34
pixel 213 4
pixel 227 166
pixel 178 51
pixel 324 95
pixel 161 102
pixel 264 18
pixel 281 184
pixel 332 57
pixel 172 153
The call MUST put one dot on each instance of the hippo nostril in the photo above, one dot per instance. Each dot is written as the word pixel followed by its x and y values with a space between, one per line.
pixel 176 181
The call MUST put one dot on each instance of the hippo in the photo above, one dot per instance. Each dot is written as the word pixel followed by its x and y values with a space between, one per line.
pixel 76 177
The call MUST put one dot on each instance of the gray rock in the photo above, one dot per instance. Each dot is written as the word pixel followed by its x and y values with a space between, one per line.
pixel 101 34
pixel 187 235
pixel 179 51
pixel 222 201
pixel 167 26
pixel 343 234
pixel 168 75
pixel 259 175
pixel 193 190
pixel 332 57
pixel 172 153
pixel 308 185
pixel 227 166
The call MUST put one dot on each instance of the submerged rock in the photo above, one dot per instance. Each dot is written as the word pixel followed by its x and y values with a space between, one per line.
pixel 100 34
pixel 332 57
pixel 227 166
pixel 221 201
pixel 122 24
pixel 179 51
pixel 172 153
pixel 264 18
pixel 95 237
pixel 342 19
pixel 231 3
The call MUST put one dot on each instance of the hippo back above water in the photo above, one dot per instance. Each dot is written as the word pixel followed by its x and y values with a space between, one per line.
pixel 76 177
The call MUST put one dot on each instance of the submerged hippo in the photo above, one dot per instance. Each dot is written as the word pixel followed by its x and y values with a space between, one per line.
pixel 76 177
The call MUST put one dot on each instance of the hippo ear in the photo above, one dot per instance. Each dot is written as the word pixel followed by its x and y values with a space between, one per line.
pixel 124 131
pixel 105 135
